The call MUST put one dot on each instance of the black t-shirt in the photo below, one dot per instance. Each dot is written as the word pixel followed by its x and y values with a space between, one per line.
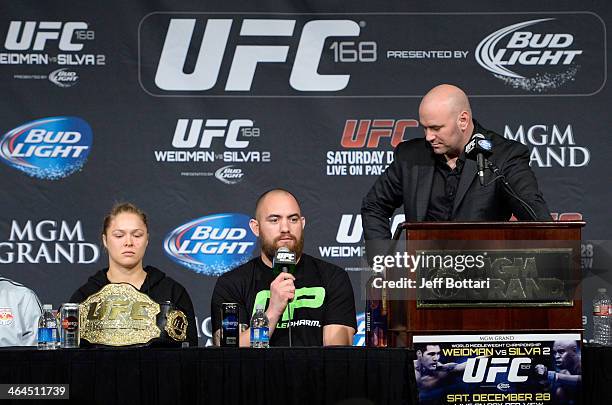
pixel 324 296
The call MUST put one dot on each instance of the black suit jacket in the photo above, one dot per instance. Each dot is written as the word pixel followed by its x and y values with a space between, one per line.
pixel 408 181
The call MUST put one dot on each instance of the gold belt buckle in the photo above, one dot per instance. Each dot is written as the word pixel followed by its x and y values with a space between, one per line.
pixel 120 315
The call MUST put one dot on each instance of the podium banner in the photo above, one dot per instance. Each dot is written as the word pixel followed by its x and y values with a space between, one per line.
pixel 499 369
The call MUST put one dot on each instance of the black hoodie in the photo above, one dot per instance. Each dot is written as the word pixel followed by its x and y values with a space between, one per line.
pixel 157 286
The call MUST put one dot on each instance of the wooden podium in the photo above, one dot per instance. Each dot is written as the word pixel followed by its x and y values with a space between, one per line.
pixel 410 316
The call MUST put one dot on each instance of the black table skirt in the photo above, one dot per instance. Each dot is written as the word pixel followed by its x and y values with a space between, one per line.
pixel 218 376
pixel 342 376
pixel 597 375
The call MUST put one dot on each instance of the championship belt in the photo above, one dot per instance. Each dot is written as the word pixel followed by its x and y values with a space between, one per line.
pixel 173 324
pixel 120 315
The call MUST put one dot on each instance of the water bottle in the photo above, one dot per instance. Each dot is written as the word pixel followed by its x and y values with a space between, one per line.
pixel 376 330
pixel 602 318
pixel 47 329
pixel 260 331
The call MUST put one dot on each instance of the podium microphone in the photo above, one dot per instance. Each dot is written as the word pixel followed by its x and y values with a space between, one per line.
pixel 479 149
pixel 284 262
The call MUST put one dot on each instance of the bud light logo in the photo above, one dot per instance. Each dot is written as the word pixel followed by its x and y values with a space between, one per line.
pixel 537 55
pixel 229 174
pixel 49 148
pixel 212 245
pixel 503 386
pixel 63 77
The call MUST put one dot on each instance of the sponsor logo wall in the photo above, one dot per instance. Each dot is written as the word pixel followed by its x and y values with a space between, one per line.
pixel 212 245
pixel 200 146
pixel 49 148
pixel 47 242
pixel 192 112
pixel 50 50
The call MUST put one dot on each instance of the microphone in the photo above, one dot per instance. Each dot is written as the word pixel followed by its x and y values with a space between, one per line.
pixel 478 149
pixel 284 261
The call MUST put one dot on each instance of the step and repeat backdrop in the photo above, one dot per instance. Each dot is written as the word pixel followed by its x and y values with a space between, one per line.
pixel 190 110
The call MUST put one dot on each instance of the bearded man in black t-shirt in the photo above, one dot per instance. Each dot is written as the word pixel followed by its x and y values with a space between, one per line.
pixel 318 294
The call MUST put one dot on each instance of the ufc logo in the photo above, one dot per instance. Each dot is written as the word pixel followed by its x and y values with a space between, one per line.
pixel 119 309
pixel 179 324
pixel 184 138
pixel 285 257
pixel 35 35
pixel 367 133
pixel 350 229
pixel 498 365
pixel 170 73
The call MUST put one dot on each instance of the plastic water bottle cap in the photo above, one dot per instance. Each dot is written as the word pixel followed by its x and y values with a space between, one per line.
pixel 48 306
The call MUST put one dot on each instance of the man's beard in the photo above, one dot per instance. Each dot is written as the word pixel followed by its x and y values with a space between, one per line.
pixel 269 249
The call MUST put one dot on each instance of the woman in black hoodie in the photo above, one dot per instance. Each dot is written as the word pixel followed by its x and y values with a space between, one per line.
pixel 125 236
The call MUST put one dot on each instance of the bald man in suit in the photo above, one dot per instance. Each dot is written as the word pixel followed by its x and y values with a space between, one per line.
pixel 434 181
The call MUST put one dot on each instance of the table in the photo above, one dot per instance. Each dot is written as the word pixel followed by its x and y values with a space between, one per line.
pixel 597 375
pixel 337 376
pixel 341 376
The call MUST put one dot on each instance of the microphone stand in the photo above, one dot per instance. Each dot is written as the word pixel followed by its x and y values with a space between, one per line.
pixel 289 325
pixel 499 175
pixel 286 270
